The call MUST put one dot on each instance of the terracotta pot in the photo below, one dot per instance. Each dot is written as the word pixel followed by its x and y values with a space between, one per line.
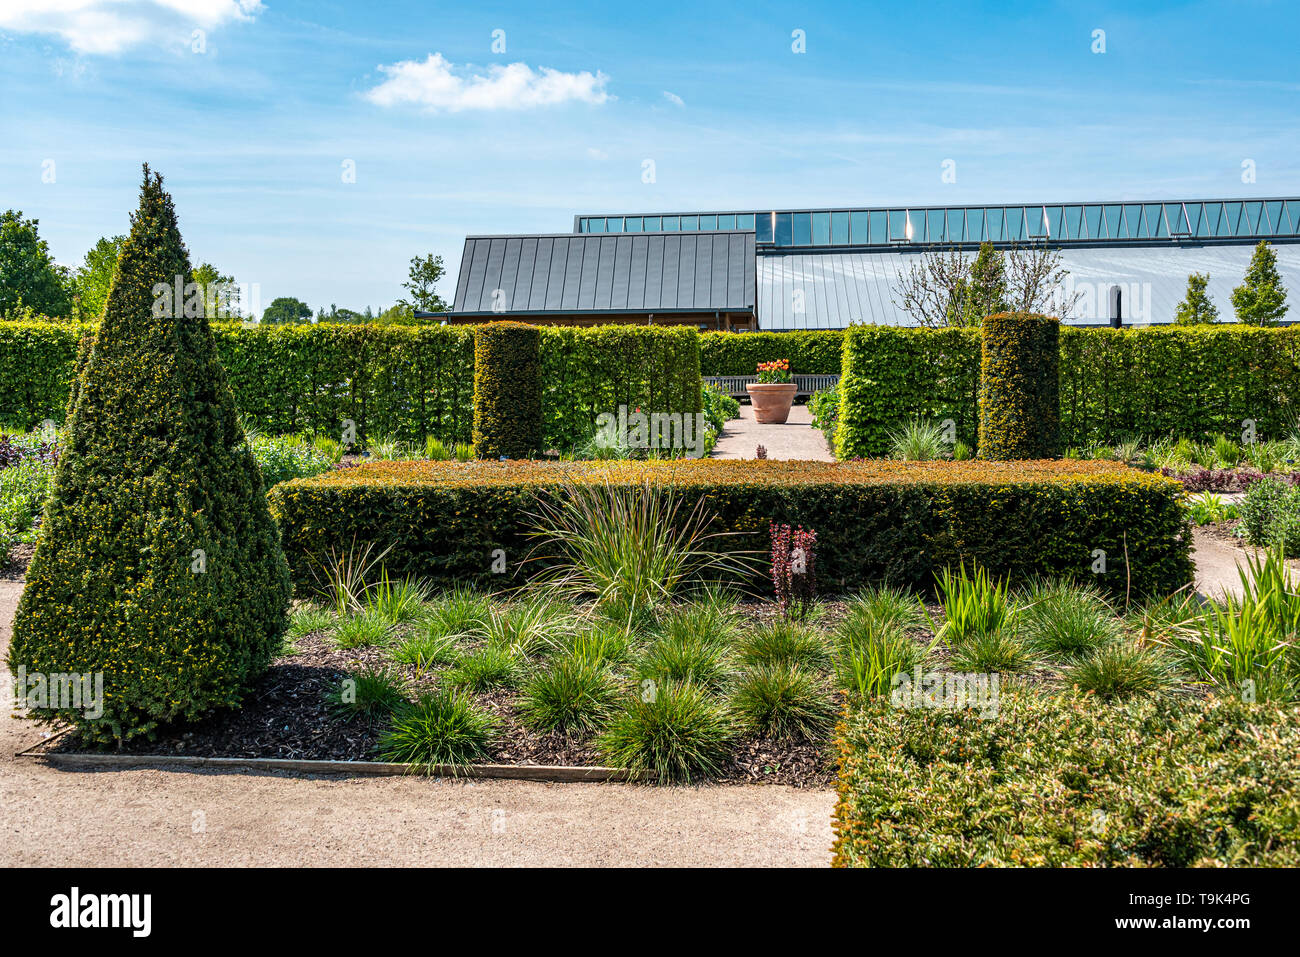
pixel 771 401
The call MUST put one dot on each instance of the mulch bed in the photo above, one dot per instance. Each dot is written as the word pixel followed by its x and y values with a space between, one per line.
pixel 14 567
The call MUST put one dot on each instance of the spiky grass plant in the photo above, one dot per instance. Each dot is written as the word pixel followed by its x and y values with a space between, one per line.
pixel 703 622
pixel 461 610
pixel 491 666
pixel 362 631
pixel 396 602
pixel 783 642
pixel 974 604
pixel 369 693
pixel 1121 669
pixel 527 627
pixel 1127 450
pixel 342 581
pixel 783 701
pixel 443 728
pixel 671 732
pixel 1227 452
pixel 988 651
pixel 920 440
pixel 686 657
pixel 598 643
pixel 305 620
pixel 631 548
pixel 431 644
pixel 1064 619
pixel 888 605
pixel 573 694
pixel 870 652
pixel 435 450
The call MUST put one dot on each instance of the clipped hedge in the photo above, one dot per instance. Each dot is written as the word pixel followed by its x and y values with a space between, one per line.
pixel 1115 383
pixel 403 381
pixel 1020 380
pixel 811 352
pixel 507 390
pixel 875 520
pixel 1069 781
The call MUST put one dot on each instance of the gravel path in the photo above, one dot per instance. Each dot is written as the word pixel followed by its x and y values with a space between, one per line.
pixel 796 439
pixel 204 818
pixel 1217 562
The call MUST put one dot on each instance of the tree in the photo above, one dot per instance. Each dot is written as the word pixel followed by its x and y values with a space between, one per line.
pixel 1036 277
pixel 28 275
pixel 95 275
pixel 1197 308
pixel 158 565
pixel 424 274
pixel 286 310
pixel 986 290
pixel 1261 298
pixel 220 293
pixel 933 291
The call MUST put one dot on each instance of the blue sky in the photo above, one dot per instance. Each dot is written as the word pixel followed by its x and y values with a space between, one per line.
pixel 254 130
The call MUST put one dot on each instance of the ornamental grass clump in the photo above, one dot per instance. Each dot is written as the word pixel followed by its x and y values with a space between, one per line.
pixel 443 728
pixel 158 565
pixel 670 732
pixel 784 702
pixel 573 694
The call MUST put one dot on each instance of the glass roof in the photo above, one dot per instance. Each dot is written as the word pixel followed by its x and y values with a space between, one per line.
pixel 1079 222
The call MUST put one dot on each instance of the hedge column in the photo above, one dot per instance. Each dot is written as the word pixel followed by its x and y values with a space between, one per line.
pixel 1020 385
pixel 507 391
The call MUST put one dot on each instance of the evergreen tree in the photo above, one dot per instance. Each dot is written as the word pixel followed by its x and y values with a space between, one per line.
pixel 29 277
pixel 158 564
pixel 986 289
pixel 1261 298
pixel 1197 308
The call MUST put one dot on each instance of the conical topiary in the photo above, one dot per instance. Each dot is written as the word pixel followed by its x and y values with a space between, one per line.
pixel 158 565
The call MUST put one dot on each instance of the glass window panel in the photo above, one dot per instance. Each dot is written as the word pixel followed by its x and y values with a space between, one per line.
pixel 784 229
pixel 746 221
pixel 597 225
pixel 1231 224
pixel 690 223
pixel 1293 213
pixel 653 224
pixel 1275 218
pixel 1114 224
pixel 1093 223
pixel 1254 211
pixel 1073 222
pixel 956 231
pixel 1176 218
pixel 708 222
pixel 897 225
pixel 1155 221
pixel 802 229
pixel 762 227
pixel 727 222
pixel 916 225
pixel 840 229
pixel 821 229
pixel 1133 221
pixel 1015 223
pixel 860 228
pixel 935 219
pixel 996 220
pixel 1218 220
pixel 632 224
pixel 583 225
pixel 671 224
pixel 975 224
pixel 1056 222
pixel 879 226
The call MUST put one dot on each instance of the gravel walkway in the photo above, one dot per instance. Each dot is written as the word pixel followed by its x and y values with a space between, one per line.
pixel 204 818
pixel 796 439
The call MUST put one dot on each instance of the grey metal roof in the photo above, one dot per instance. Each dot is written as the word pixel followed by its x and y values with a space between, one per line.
pixel 568 273
pixel 830 290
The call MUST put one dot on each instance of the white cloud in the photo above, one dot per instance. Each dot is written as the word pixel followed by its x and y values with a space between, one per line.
pixel 110 26
pixel 597 154
pixel 439 85
pixel 674 99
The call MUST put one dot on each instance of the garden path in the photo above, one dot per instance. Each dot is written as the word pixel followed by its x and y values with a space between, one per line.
pixel 147 817
pixel 796 439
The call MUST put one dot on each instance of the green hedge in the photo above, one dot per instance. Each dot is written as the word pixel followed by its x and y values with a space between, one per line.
pixel 1115 383
pixel 404 381
pixel 507 391
pixel 875 520
pixel 1020 380
pixel 1069 781
pixel 810 352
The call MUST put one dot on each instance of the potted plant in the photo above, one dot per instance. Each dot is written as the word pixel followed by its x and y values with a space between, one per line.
pixel 773 393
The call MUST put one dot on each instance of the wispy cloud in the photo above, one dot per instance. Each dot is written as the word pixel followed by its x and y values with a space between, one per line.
pixel 439 85
pixel 111 26
pixel 674 99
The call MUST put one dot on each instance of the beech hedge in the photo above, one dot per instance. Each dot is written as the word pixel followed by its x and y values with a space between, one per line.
pixel 811 352
pixel 876 521
pixel 390 380
pixel 1069 781
pixel 1115 383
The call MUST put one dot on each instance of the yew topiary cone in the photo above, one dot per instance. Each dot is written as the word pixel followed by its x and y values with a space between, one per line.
pixel 158 564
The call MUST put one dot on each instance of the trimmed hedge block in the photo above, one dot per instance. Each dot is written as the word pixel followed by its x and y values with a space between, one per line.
pixel 811 352
pixel 878 520
pixel 1020 385
pixel 507 391
pixel 1069 781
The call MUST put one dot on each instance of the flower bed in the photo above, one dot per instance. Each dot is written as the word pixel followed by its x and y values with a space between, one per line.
pixel 877 520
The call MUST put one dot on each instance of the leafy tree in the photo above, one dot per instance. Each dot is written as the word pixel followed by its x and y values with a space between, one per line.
pixel 28 275
pixel 1197 308
pixel 95 275
pixel 286 309
pixel 220 294
pixel 158 566
pixel 424 274
pixel 1261 298
pixel 986 290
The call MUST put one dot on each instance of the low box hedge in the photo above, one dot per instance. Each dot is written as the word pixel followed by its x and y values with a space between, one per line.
pixel 875 520
pixel 1069 781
